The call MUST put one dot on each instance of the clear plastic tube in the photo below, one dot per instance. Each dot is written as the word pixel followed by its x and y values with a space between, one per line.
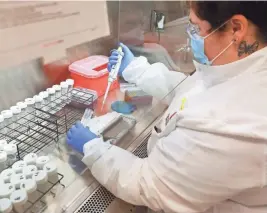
pixel 57 89
pixel 16 116
pixel 45 102
pixel 2 126
pixel 38 105
pixel 8 120
pixel 64 92
pixel 30 111
pixel 70 83
pixel 11 150
pixel 23 108
pixel 51 98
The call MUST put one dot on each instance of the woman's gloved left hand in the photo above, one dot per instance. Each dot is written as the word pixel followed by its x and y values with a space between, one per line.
pixel 79 135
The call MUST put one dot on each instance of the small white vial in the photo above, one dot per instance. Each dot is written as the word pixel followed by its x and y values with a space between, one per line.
pixel 51 170
pixel 5 205
pixel 30 110
pixel 52 97
pixel 23 108
pixel 19 198
pixel 8 120
pixel 6 190
pixel 29 171
pixel 45 103
pixel 41 161
pixel 64 92
pixel 30 186
pixel 3 142
pixel 41 179
pixel 18 166
pixel 30 159
pixel 38 105
pixel 2 126
pixel 58 96
pixel 17 179
pixel 6 175
pixel 70 83
pixel 11 150
pixel 3 160
pixel 16 115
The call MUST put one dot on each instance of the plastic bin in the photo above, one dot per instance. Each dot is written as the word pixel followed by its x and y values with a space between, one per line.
pixel 92 73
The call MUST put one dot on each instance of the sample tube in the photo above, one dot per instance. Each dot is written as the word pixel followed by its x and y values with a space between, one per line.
pixel 6 175
pixel 41 179
pixel 70 83
pixel 5 205
pixel 19 198
pixel 2 126
pixel 51 169
pixel 3 160
pixel 44 95
pixel 41 161
pixel 52 97
pixel 64 92
pixel 2 144
pixel 30 159
pixel 18 166
pixel 6 190
pixel 17 179
pixel 38 105
pixel 16 116
pixel 29 171
pixel 8 120
pixel 30 111
pixel 57 88
pixel 30 186
pixel 11 150
pixel 23 108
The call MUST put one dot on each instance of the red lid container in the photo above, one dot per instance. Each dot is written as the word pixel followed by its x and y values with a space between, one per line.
pixel 92 73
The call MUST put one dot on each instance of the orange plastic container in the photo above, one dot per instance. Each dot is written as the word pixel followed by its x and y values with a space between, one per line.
pixel 92 73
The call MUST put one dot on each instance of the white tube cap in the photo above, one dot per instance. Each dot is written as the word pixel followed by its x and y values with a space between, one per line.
pixel 7 114
pixel 6 175
pixel 30 158
pixel 29 185
pixel 64 85
pixel 29 171
pixel 5 205
pixel 29 101
pixel 18 166
pixel 41 161
pixel 70 82
pixel 22 105
pixel 15 109
pixel 11 149
pixel 57 87
pixel 51 91
pixel 38 98
pixel 40 177
pixel 17 179
pixel 3 156
pixel 50 168
pixel 2 144
pixel 19 197
pixel 6 190
pixel 44 94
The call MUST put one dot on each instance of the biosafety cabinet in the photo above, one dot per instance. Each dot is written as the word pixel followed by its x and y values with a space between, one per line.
pixel 39 41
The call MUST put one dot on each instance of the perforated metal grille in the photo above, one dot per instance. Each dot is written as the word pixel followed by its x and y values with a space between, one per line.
pixel 101 198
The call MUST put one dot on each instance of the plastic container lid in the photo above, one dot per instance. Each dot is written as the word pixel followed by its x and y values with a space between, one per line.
pixel 5 205
pixel 2 144
pixel 90 67
pixel 10 149
pixel 7 114
pixel 40 177
pixel 38 98
pixel 29 101
pixel 29 185
pixel 6 175
pixel 70 82
pixel 44 94
pixel 18 166
pixel 1 118
pixel 29 171
pixel 6 190
pixel 3 156
pixel 41 161
pixel 15 109
pixel 30 158
pixel 19 197
pixel 57 87
pixel 51 91
pixel 64 85
pixel 22 105
pixel 50 168
pixel 16 180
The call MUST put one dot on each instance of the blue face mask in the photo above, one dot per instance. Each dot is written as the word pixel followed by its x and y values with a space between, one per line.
pixel 197 44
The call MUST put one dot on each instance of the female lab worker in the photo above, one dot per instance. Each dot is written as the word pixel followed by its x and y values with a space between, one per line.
pixel 211 156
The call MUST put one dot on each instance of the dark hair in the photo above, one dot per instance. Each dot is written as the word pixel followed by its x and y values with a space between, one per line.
pixel 218 12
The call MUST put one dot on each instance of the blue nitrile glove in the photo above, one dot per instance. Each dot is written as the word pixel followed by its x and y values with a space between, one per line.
pixel 78 135
pixel 126 60
pixel 123 107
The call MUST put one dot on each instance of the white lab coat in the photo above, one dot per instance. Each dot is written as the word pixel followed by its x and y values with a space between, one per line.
pixel 210 157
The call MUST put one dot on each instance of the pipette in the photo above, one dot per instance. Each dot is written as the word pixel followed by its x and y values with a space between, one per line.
pixel 113 74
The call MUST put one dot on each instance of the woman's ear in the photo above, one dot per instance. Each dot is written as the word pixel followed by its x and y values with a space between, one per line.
pixel 239 27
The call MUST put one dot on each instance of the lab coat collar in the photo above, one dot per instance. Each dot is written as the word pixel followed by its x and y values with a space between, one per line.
pixel 213 75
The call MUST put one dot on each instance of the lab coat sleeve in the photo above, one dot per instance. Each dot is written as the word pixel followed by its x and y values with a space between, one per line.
pixel 182 173
pixel 155 79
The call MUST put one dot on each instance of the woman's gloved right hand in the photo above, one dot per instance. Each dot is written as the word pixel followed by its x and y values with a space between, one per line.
pixel 126 60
